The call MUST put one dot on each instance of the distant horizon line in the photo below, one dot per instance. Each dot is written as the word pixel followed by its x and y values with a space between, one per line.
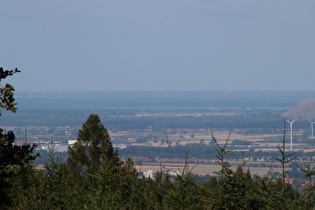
pixel 173 94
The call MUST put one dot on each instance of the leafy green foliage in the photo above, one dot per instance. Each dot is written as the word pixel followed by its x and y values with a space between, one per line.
pixel 15 161
pixel 7 91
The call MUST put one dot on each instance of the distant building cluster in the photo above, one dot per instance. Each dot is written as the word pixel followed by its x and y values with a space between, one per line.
pixel 150 174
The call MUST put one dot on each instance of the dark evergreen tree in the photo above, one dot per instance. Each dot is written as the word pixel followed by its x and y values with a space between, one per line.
pixel 93 146
pixel 14 159
pixel 308 198
pixel 97 169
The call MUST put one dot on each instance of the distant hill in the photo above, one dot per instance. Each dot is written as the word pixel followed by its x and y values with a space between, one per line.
pixel 304 109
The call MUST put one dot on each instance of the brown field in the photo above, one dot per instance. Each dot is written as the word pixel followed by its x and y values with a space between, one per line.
pixel 200 169
pixel 221 137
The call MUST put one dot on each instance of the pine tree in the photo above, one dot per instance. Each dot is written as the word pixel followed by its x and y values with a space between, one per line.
pixel 93 166
pixel 93 146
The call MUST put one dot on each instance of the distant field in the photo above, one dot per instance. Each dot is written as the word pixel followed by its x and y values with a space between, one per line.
pixel 182 114
pixel 200 169
pixel 221 136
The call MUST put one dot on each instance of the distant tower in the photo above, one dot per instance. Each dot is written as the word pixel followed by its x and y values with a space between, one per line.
pixel 312 128
pixel 25 137
pixel 291 130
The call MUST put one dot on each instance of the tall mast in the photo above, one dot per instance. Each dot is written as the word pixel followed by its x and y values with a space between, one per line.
pixel 312 128
pixel 291 130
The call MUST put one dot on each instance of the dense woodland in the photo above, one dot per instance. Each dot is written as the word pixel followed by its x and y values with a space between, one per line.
pixel 94 177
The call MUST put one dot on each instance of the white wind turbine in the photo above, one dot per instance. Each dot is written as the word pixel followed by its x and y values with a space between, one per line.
pixel 312 128
pixel 291 129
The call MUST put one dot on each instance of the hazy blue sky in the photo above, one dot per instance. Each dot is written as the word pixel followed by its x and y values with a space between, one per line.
pixel 75 45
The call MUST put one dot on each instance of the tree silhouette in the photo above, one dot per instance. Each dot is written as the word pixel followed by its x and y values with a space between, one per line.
pixel 93 146
pixel 14 159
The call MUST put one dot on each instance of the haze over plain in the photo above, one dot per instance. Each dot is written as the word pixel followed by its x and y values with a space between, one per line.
pixel 76 45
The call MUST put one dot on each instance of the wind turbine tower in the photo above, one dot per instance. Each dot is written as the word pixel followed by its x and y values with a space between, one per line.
pixel 291 130
pixel 312 128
